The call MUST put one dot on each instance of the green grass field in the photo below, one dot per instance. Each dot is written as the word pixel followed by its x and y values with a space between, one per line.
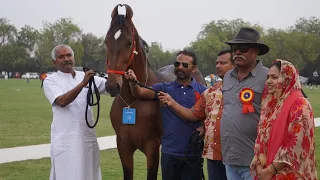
pixel 26 114
pixel 25 118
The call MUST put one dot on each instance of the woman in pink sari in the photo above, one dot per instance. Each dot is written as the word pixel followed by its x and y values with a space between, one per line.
pixel 285 146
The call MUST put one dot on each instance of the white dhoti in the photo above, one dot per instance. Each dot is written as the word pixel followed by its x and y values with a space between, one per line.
pixel 75 153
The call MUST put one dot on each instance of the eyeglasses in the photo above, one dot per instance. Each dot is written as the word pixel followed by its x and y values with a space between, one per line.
pixel 241 48
pixel 184 64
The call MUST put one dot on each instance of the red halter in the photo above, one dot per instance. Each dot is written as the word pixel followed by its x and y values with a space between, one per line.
pixel 134 52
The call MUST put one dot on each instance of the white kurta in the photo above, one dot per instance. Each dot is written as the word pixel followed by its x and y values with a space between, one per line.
pixel 75 151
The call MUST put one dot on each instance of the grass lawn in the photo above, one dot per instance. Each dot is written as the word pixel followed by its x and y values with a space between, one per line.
pixel 110 166
pixel 26 115
pixel 40 169
pixel 25 118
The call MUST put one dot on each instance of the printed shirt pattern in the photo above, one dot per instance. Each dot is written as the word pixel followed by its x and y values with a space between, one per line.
pixel 209 106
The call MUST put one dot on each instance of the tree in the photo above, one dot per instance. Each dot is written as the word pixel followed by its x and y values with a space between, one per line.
pixel 63 31
pixel 307 26
pixel 29 48
pixel 94 53
pixel 309 43
pixel 26 40
pixel 158 58
pixel 27 37
pixel 212 39
pixel 7 32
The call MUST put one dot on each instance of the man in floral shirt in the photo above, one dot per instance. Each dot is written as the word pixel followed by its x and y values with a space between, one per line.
pixel 208 108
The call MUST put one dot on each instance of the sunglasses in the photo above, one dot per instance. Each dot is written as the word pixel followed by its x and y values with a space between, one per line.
pixel 184 65
pixel 241 48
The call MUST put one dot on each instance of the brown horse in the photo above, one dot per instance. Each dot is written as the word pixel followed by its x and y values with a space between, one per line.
pixel 124 51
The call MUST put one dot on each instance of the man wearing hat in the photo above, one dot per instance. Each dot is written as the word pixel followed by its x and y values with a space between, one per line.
pixel 242 90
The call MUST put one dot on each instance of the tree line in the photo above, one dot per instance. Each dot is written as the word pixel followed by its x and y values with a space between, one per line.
pixel 29 49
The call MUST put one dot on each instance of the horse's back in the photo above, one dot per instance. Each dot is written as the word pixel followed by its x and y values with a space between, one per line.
pixel 167 72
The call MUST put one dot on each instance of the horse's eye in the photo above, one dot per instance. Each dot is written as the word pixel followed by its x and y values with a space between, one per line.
pixel 129 43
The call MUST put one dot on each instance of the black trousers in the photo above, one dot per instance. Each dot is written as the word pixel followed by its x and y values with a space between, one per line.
pixel 177 168
pixel 216 170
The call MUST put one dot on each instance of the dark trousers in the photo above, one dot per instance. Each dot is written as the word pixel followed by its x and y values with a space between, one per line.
pixel 216 170
pixel 177 168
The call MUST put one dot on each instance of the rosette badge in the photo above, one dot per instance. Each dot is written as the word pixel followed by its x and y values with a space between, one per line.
pixel 246 98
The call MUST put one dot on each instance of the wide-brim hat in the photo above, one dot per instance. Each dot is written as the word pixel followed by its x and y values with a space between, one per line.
pixel 249 36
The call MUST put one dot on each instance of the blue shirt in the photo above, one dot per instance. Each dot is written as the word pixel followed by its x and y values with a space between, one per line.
pixel 176 133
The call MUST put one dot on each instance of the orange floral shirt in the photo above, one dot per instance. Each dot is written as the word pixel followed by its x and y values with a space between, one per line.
pixel 209 106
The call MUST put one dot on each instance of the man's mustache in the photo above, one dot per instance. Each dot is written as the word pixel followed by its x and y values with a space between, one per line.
pixel 179 72
pixel 67 62
pixel 239 56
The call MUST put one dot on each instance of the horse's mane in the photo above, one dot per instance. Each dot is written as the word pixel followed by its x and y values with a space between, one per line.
pixel 144 45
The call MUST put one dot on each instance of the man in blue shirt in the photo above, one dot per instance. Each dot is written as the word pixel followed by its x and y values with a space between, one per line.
pixel 175 163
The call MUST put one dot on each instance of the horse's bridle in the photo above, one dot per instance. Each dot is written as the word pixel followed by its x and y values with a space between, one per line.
pixel 133 53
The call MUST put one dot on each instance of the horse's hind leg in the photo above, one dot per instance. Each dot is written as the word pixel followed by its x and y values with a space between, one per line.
pixel 151 151
pixel 126 157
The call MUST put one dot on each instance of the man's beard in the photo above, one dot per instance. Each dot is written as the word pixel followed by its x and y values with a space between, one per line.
pixel 182 75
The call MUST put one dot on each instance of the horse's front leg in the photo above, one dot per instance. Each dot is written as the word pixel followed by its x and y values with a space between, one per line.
pixel 126 151
pixel 151 150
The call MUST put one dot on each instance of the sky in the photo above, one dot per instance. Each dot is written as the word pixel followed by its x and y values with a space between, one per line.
pixel 173 23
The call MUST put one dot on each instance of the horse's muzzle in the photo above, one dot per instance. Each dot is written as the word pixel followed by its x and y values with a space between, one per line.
pixel 115 91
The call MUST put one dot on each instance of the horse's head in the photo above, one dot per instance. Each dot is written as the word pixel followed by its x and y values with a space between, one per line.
pixel 121 47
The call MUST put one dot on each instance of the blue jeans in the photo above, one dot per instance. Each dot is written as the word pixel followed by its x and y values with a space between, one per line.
pixel 235 172
pixel 216 170
pixel 176 167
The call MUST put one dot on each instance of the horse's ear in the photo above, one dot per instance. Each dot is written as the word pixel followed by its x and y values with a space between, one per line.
pixel 129 12
pixel 114 11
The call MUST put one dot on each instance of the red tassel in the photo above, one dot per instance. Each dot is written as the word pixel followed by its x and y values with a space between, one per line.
pixel 247 107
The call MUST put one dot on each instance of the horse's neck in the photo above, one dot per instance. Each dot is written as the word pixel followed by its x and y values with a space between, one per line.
pixel 141 67
pixel 126 94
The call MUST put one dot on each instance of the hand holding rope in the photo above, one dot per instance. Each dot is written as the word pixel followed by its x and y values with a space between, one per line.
pixel 90 100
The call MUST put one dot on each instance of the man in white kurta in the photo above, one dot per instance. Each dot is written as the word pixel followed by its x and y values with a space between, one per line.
pixel 74 148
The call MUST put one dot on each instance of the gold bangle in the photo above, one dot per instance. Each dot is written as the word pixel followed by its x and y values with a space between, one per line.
pixel 271 171
pixel 277 172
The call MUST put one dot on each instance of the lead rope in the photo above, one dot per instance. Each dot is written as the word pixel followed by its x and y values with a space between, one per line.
pixel 145 84
pixel 90 101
